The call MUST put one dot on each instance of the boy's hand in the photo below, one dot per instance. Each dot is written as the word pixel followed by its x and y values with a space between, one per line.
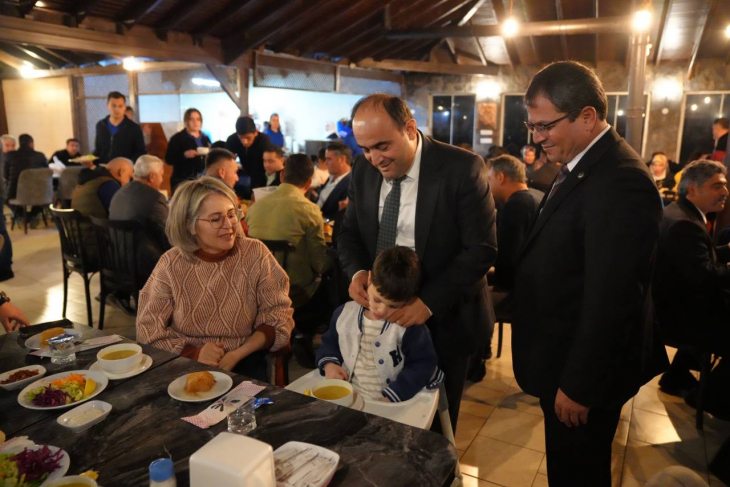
pixel 334 371
pixel 413 313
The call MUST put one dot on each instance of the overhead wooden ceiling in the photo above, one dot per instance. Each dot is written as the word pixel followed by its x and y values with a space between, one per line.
pixel 355 30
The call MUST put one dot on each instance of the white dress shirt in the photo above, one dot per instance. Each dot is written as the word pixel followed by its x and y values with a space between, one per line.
pixel 320 177
pixel 328 188
pixel 406 230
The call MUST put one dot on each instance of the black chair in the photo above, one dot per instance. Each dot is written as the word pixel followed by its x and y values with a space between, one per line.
pixel 74 254
pixel 118 243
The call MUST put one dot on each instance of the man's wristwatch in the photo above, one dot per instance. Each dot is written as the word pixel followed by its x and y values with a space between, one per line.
pixel 4 298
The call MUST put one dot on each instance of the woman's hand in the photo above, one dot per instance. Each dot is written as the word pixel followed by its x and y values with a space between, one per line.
pixel 190 153
pixel 231 359
pixel 211 353
pixel 11 317
pixel 334 371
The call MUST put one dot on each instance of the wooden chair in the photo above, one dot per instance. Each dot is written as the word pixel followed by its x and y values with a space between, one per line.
pixel 74 255
pixel 67 184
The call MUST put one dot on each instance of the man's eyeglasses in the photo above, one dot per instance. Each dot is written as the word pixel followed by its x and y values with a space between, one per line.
pixel 542 128
pixel 234 217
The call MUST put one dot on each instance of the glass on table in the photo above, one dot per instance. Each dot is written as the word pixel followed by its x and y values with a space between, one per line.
pixel 241 419
pixel 63 349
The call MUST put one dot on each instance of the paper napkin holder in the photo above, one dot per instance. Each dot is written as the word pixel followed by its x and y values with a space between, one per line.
pixel 231 460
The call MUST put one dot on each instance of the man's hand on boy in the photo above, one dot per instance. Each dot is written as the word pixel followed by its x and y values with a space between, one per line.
pixel 413 313
pixel 359 288
pixel 385 399
pixel 334 371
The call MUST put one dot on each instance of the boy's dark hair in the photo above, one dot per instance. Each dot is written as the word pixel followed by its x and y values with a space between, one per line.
pixel 217 155
pixel 298 170
pixel 397 273
pixel 116 95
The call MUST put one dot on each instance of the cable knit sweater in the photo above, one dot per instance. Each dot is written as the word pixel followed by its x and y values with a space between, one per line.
pixel 188 301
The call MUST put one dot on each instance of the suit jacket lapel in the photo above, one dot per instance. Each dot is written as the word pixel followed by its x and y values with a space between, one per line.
pixel 697 218
pixel 429 183
pixel 579 173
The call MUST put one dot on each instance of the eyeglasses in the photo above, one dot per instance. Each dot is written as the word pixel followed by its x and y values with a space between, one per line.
pixel 542 128
pixel 233 217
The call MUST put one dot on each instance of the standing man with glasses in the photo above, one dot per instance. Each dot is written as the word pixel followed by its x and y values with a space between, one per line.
pixel 583 338
pixel 433 198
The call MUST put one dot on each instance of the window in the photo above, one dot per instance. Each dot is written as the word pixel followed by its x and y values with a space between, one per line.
pixel 700 110
pixel 452 119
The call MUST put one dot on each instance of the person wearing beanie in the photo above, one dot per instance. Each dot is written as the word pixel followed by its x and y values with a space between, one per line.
pixel 249 144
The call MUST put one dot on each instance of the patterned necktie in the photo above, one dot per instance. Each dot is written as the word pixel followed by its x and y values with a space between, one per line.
pixel 389 220
pixel 564 171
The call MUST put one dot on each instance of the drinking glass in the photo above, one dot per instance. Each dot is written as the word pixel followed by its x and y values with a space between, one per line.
pixel 241 419
pixel 63 349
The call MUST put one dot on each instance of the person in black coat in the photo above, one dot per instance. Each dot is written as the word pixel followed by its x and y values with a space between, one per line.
pixel 332 196
pixel 117 135
pixel 274 159
pixel 72 150
pixel 182 151
pixel 692 277
pixel 445 212
pixel 249 144
pixel 583 335
pixel 15 162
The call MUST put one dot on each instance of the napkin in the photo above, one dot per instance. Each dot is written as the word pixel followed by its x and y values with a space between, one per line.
pixel 85 345
pixel 216 412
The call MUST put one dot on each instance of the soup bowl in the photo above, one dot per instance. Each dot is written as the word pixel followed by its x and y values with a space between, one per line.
pixel 72 481
pixel 334 390
pixel 122 363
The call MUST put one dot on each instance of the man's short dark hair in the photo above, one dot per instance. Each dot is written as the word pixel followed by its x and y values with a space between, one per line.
pixel 722 122
pixel 277 150
pixel 245 125
pixel 569 86
pixel 116 95
pixel 394 106
pixel 698 173
pixel 68 141
pixel 298 170
pixel 510 166
pixel 341 149
pixel 217 155
pixel 322 153
pixel 25 140
pixel 397 274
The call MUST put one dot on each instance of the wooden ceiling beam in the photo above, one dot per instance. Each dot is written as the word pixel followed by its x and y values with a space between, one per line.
pixel 178 15
pixel 509 44
pixel 58 55
pixel 52 63
pixel 563 39
pixel 11 60
pixel 659 44
pixel 14 51
pixel 705 18
pixel 138 10
pixel 426 67
pixel 82 9
pixel 231 11
pixel 303 23
pixel 26 6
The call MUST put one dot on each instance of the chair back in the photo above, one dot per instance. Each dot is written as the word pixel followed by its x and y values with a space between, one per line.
pixel 68 181
pixel 281 250
pixel 71 233
pixel 35 187
pixel 118 243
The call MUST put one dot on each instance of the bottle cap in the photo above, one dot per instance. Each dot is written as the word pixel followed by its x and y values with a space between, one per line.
pixel 162 469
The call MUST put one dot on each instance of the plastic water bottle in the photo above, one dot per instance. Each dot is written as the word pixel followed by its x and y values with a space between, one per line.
pixel 162 473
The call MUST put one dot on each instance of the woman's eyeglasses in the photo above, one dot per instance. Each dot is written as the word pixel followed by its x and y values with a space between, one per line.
pixel 234 218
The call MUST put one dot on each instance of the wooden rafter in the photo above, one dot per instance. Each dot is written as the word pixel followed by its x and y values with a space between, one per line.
pixel 56 54
pixel 138 10
pixel 11 60
pixel 596 14
pixel 659 45
pixel 53 63
pixel 26 6
pixel 82 9
pixel 705 19
pixel 560 16
pixel 509 44
pixel 221 76
pixel 212 25
pixel 13 50
pixel 179 14
pixel 426 67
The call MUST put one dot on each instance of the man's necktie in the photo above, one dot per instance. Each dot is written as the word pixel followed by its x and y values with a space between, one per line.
pixel 389 219
pixel 564 171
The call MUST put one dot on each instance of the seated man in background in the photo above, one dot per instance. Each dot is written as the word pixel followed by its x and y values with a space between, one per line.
pixel 333 195
pixel 286 214
pixel 274 159
pixel 321 173
pixel 72 150
pixel 142 201
pixel 97 187
pixel 17 161
pixel 720 129
pixel 692 279
pixel 221 164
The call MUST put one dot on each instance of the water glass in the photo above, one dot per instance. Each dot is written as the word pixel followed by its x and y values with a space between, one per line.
pixel 63 349
pixel 241 419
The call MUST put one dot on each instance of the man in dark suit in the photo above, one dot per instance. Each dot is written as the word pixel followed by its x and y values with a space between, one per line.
pixel 583 334
pixel 434 198
pixel 332 197
pixel 692 277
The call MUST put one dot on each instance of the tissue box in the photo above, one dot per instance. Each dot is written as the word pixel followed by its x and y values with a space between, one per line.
pixel 230 460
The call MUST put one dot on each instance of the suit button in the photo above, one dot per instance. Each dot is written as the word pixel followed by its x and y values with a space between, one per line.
pixel 381 361
pixel 377 344
pixel 387 381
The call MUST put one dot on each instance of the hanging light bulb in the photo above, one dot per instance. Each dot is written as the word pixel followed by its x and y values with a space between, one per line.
pixel 510 27
pixel 642 21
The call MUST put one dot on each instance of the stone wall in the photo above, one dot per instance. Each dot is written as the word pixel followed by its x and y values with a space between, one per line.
pixel 666 84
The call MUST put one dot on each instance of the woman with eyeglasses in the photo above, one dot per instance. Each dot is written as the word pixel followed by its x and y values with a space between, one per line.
pixel 217 297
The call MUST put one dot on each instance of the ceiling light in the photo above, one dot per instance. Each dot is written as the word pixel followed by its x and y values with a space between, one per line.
pixel 642 21
pixel 620 113
pixel 510 27
pixel 665 111
pixel 693 107
pixel 707 100
pixel 40 4
pixel 206 82
pixel 727 31
pixel 131 63
pixel 668 88
pixel 29 71
pixel 488 89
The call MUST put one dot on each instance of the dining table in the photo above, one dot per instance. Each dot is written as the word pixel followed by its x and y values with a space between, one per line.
pixel 145 424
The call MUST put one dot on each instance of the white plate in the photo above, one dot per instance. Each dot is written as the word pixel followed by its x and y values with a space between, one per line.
pixel 64 463
pixel 176 389
pixel 145 364
pixel 102 406
pixel 311 454
pixel 16 385
pixel 100 379
pixel 34 342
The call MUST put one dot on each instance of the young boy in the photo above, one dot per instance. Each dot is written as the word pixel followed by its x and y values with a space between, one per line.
pixel 384 360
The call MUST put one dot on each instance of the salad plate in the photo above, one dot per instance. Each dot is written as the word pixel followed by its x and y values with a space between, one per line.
pixel 73 387
pixel 40 463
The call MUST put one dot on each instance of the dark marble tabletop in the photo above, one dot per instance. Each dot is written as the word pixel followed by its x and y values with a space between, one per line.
pixel 145 425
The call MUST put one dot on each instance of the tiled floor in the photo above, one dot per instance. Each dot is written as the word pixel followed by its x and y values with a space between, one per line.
pixel 500 436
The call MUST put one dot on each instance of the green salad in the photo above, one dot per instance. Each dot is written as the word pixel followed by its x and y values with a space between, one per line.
pixel 29 468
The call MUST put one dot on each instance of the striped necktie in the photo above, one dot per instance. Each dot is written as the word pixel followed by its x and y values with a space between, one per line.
pixel 564 171
pixel 389 219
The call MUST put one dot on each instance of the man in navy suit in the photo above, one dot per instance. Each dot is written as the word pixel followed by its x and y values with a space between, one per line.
pixel 333 194
pixel 434 198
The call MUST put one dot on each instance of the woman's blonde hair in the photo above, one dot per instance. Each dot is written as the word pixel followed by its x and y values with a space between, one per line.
pixel 185 210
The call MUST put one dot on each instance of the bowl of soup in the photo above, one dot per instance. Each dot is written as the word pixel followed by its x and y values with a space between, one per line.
pixel 334 390
pixel 72 481
pixel 120 358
